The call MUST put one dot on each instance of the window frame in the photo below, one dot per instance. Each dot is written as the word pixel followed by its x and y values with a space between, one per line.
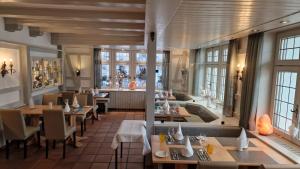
pixel 289 66
pixel 220 64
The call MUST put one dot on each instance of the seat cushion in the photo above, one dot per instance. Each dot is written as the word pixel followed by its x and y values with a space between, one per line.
pixel 69 131
pixel 29 131
pixel 289 166
pixel 193 118
pixel 199 110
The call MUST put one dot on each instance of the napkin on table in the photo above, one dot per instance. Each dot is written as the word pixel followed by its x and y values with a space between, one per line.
pixel 67 108
pixel 166 107
pixel 187 151
pixel 75 102
pixel 242 140
pixel 179 135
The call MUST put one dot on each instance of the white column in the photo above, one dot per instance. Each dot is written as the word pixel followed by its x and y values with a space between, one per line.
pixel 150 87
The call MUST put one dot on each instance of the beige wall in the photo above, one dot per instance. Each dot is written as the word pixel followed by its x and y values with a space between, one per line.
pixel 179 65
pixel 79 57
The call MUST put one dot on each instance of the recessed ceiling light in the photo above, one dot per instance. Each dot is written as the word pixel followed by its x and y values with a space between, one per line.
pixel 255 30
pixel 284 22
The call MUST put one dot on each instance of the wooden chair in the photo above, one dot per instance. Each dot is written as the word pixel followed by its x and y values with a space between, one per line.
pixel 82 101
pixel 47 98
pixel 217 165
pixel 15 129
pixel 68 95
pixel 57 130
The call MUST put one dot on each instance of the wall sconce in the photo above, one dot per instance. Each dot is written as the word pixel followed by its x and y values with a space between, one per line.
pixel 240 71
pixel 5 70
pixel 77 72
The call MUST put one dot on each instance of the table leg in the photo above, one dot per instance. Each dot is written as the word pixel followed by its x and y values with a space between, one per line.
pixel 121 150
pixel 116 158
pixel 159 166
pixel 78 139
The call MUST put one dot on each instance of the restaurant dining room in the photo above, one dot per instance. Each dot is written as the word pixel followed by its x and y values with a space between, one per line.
pixel 149 84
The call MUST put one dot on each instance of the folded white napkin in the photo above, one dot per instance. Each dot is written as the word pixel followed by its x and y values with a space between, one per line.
pixel 187 151
pixel 179 135
pixel 242 140
pixel 75 102
pixel 67 108
pixel 171 92
pixel 92 91
pixel 166 107
pixel 31 103
pixel 97 91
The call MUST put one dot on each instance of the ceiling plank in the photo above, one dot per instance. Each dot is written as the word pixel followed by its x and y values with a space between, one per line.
pixel 46 13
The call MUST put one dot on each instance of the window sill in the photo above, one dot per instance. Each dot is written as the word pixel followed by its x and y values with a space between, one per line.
pixel 283 146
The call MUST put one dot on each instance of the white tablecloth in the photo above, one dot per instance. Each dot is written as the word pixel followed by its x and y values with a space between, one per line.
pixel 132 131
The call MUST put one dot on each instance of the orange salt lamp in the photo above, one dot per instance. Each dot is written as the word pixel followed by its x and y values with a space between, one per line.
pixel 264 125
pixel 132 85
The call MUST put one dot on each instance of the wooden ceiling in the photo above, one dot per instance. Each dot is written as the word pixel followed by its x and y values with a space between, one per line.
pixel 80 22
pixel 195 23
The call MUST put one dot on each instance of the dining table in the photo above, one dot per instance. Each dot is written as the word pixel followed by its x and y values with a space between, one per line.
pixel 222 149
pixel 101 98
pixel 36 111
pixel 174 113
pixel 164 97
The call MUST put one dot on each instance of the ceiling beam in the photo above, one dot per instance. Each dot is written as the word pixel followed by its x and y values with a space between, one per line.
pixel 71 14
pixel 72 24
pixel 78 2
pixel 84 31
pixel 74 39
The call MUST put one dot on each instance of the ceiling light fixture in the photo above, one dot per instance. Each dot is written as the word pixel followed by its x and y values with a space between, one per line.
pixel 284 22
pixel 255 30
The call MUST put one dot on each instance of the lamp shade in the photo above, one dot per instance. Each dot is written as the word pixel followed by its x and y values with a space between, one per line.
pixel 264 125
pixel 132 85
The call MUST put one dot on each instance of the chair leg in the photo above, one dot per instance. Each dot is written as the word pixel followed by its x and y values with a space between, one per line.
pixel 74 139
pixel 7 149
pixel 81 128
pixel 47 148
pixel 39 138
pixel 54 144
pixel 84 124
pixel 25 148
pixel 64 149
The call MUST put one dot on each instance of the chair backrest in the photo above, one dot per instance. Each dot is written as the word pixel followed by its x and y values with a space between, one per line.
pixel 13 124
pixel 280 166
pixel 55 125
pixel 50 98
pixel 82 99
pixel 217 165
pixel 68 95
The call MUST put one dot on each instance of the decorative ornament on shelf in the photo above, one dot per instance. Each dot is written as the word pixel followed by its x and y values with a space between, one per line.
pixel 132 85
pixel 264 125
pixel 5 70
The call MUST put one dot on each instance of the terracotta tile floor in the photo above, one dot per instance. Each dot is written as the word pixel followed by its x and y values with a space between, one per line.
pixel 95 152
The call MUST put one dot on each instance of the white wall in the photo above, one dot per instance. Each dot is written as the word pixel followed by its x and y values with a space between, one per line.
pixel 22 37
pixel 19 46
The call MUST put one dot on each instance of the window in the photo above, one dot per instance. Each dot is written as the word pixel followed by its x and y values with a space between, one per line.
pixel 286 87
pixel 140 72
pixel 105 69
pixel 158 73
pixel 216 59
pixel 130 65
pixel 122 70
